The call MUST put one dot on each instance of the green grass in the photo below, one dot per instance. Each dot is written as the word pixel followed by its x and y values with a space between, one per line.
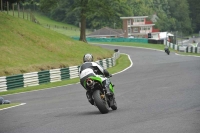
pixel 28 47
pixel 122 63
pixel 144 45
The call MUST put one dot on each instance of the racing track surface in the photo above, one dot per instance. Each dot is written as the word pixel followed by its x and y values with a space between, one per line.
pixel 158 94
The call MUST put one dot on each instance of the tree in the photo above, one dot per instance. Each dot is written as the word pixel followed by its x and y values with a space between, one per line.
pixel 88 8
pixel 179 9
pixel 48 5
pixel 194 6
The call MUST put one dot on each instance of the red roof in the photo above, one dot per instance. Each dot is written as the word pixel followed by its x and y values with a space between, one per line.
pixel 155 30
pixel 148 22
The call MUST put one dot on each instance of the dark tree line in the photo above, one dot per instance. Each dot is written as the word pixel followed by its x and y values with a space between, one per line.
pixel 194 9
pixel 175 15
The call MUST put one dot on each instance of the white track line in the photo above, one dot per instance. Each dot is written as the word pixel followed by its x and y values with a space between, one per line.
pixel 13 106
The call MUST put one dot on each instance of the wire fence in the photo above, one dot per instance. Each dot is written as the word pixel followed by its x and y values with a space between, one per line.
pixel 20 11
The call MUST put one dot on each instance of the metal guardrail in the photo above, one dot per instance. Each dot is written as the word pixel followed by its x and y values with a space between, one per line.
pixel 54 75
pixel 186 49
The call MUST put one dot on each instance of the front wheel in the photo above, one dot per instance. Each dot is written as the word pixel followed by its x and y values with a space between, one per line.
pixel 100 102
pixel 114 106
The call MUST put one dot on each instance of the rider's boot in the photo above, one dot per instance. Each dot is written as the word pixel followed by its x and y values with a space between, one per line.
pixel 108 92
pixel 106 84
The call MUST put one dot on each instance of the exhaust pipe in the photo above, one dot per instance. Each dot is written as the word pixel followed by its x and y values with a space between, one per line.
pixel 89 82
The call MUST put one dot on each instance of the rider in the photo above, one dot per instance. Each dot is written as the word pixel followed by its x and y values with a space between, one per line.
pixel 88 63
pixel 166 48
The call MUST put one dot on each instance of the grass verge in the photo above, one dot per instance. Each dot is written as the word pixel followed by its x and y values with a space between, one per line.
pixel 29 47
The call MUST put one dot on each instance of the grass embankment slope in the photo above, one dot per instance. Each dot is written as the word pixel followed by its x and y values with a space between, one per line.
pixel 63 28
pixel 28 47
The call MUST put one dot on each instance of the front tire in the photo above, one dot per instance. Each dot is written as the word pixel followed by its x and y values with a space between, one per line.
pixel 101 104
pixel 114 105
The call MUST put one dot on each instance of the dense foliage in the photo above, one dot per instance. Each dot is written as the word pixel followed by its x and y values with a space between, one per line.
pixel 174 15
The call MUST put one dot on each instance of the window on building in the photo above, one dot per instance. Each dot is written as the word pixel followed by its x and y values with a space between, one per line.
pixel 136 29
pixel 145 28
pixel 139 20
pixel 129 30
pixel 129 22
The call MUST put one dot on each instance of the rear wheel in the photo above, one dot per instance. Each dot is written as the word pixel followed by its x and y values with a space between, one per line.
pixel 100 102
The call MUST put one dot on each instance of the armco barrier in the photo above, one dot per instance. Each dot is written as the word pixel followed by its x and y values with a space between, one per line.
pixel 183 48
pixel 54 75
pixel 3 85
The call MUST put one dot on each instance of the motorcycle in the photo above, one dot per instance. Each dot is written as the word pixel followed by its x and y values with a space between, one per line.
pixel 94 86
pixel 167 51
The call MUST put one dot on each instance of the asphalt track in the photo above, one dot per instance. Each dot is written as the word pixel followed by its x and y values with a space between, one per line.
pixel 160 93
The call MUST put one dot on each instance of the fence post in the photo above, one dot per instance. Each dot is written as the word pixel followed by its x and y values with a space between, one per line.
pixel 7 7
pixel 23 11
pixel 30 15
pixel 18 8
pixel 27 14
pixel 13 9
pixel 1 5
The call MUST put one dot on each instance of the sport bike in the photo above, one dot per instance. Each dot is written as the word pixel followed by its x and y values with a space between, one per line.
pixel 93 84
pixel 167 51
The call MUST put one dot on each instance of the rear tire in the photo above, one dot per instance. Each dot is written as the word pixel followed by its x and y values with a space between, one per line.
pixel 101 104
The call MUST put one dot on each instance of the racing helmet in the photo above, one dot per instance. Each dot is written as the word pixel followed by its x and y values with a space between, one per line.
pixel 88 58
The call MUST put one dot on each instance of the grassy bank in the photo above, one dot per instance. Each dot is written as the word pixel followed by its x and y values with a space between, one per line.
pixel 28 47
